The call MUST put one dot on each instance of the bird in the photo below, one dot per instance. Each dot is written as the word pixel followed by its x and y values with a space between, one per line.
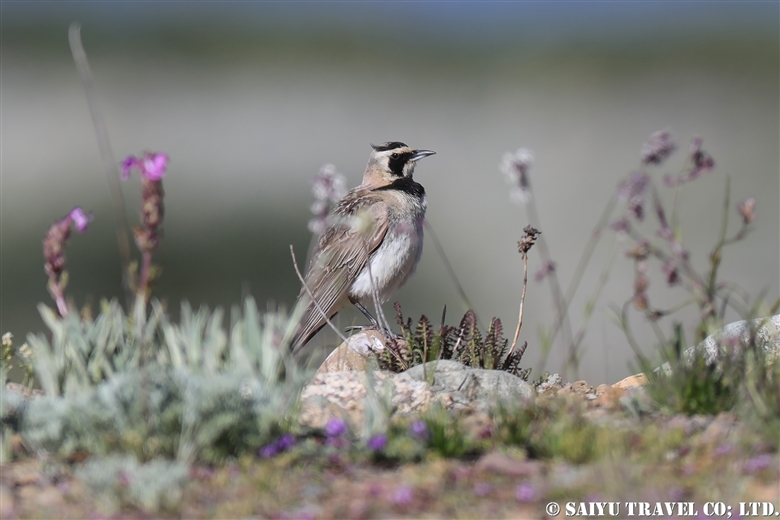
pixel 372 245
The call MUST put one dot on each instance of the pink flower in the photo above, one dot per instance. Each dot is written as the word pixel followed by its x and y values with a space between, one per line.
pixel 403 495
pixel 151 166
pixel 79 219
pixel 526 492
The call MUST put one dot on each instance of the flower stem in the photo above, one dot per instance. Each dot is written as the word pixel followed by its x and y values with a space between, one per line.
pixel 522 301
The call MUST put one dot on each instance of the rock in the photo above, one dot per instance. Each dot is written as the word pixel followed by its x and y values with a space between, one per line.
pixel 354 354
pixel 631 381
pixel 610 398
pixel 346 392
pixel 551 385
pixel 736 336
pixel 473 384
pixel 501 464
pixel 581 388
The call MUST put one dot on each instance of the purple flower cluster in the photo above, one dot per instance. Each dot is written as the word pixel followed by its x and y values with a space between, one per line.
pixel 700 163
pixel 54 252
pixel 377 442
pixel 420 430
pixel 335 431
pixel 328 188
pixel 632 190
pixel 526 492
pixel 151 166
pixel 283 443
pixel 757 463
pixel 658 148
pixel 403 495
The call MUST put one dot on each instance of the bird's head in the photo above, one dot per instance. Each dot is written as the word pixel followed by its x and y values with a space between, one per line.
pixel 391 161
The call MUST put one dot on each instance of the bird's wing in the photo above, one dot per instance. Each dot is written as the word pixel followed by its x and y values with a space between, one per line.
pixel 341 254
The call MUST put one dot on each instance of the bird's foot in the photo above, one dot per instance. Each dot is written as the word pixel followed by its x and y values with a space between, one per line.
pixel 387 333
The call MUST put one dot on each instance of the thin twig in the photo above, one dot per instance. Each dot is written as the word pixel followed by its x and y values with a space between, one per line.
pixel 522 300
pixel 110 165
pixel 313 299
pixel 555 286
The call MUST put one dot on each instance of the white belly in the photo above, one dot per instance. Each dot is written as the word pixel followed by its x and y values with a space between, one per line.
pixel 391 264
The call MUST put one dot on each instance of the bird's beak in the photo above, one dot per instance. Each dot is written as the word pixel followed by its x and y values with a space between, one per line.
pixel 419 154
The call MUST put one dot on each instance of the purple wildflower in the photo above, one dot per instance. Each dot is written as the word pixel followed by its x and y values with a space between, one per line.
pixel 632 190
pixel 328 188
pixel 723 449
pixel 285 442
pixel 80 219
pixel 419 429
pixel 515 167
pixel 482 488
pixel 269 451
pixel 54 252
pixel 658 148
pixel 757 463
pixel 525 492
pixel 701 162
pixel 335 427
pixel 151 166
pixel 747 209
pixel 669 268
pixel 377 442
pixel 403 495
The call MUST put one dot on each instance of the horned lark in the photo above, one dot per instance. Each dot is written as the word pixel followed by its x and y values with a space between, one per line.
pixel 377 224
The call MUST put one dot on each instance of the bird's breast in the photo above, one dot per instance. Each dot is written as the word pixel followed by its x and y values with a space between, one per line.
pixel 394 261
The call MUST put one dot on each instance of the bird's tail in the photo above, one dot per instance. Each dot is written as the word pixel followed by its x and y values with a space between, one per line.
pixel 310 324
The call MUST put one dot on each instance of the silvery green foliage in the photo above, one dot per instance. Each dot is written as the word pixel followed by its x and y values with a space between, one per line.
pixel 154 388
pixel 122 480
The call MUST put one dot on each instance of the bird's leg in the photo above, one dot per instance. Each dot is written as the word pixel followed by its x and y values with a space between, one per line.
pixel 388 334
pixel 367 314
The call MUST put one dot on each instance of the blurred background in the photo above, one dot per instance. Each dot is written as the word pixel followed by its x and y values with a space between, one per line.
pixel 251 99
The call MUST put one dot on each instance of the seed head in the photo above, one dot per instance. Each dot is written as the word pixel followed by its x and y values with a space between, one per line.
pixel 529 239
pixel 747 209
pixel 658 148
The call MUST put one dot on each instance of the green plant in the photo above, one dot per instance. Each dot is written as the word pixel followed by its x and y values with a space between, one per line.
pixel 422 342
pixel 693 384
pixel 553 429
pixel 443 433
pixel 121 481
pixel 153 388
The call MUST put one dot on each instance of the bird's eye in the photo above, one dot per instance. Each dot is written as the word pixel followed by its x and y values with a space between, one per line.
pixel 394 156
